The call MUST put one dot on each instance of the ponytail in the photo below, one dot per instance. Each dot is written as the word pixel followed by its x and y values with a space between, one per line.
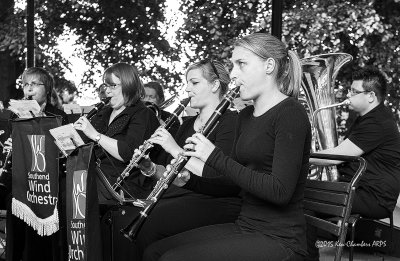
pixel 292 80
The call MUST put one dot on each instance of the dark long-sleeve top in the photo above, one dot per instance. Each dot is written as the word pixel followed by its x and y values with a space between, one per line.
pixel 134 125
pixel 222 136
pixel 51 110
pixel 269 161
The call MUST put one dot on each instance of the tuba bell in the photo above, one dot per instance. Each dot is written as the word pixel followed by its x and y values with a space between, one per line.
pixel 319 74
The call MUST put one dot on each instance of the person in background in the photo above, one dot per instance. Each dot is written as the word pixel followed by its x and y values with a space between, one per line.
pixel 155 95
pixel 375 137
pixel 23 243
pixel 67 91
pixel 56 100
pixel 181 209
pixel 269 161
pixel 101 91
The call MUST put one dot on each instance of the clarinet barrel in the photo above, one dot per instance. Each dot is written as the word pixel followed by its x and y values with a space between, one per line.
pixel 132 230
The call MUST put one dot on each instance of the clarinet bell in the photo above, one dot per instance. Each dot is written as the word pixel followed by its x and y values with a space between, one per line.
pixel 131 231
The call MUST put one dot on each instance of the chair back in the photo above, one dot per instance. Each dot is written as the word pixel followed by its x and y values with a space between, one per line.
pixel 328 203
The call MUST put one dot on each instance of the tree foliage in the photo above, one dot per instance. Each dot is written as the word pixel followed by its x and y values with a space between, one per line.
pixel 109 31
pixel 366 29
pixel 134 31
pixel 112 31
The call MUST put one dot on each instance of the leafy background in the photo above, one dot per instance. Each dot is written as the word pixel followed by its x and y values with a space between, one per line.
pixel 138 32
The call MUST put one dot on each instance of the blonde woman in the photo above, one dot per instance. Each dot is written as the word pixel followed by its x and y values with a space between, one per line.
pixel 269 161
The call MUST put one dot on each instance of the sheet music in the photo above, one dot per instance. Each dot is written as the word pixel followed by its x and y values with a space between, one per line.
pixel 25 108
pixel 67 138
pixel 72 108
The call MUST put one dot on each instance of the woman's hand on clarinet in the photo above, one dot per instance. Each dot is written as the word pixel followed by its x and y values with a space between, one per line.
pixel 86 127
pixel 182 178
pixel 198 146
pixel 163 138
pixel 147 167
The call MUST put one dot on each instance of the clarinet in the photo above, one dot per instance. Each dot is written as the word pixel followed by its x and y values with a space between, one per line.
pixel 131 231
pixel 147 145
pixel 98 107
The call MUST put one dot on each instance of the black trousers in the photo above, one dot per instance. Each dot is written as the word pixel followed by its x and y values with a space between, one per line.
pixel 114 245
pixel 364 204
pixel 219 242
pixel 182 210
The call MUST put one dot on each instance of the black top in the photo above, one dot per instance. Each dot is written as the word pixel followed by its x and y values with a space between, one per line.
pixel 376 133
pixel 51 110
pixel 134 125
pixel 269 162
pixel 221 136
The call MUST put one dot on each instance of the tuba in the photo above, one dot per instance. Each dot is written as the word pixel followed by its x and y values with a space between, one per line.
pixel 319 74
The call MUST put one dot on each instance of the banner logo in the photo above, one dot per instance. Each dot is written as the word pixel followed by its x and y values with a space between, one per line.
pixel 79 194
pixel 37 143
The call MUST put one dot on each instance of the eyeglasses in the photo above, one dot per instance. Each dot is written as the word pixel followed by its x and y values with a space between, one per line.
pixel 33 84
pixel 111 86
pixel 212 66
pixel 354 92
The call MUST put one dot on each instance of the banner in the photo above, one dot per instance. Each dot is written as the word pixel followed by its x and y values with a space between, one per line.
pixel 83 221
pixel 35 173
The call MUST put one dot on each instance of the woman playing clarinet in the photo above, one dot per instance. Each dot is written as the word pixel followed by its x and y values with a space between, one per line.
pixel 269 161
pixel 182 209
pixel 118 129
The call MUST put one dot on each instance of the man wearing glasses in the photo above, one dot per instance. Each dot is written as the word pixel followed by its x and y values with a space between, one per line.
pixel 374 136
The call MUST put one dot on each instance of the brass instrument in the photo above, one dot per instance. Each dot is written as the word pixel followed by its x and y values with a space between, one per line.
pixel 152 106
pixel 157 108
pixel 147 145
pixel 314 115
pixel 319 74
pixel 168 177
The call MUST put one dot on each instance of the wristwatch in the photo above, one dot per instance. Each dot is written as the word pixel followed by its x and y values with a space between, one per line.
pixel 97 138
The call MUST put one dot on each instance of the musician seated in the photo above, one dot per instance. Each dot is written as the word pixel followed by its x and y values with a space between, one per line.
pixel 155 94
pixel 207 82
pixel 375 137
pixel 268 161
pixel 38 85
pixel 120 128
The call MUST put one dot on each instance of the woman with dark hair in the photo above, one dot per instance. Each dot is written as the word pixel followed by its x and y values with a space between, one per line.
pixel 181 209
pixel 154 94
pixel 120 128
pixel 269 161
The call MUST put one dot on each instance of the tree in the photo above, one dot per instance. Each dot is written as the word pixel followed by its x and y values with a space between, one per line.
pixel 135 31
pixel 211 26
pixel 8 60
pixel 110 31
pixel 368 30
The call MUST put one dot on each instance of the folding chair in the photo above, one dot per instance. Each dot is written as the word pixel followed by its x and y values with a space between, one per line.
pixel 328 203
